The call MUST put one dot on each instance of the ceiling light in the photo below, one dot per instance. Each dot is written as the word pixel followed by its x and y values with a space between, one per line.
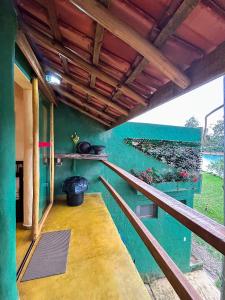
pixel 53 78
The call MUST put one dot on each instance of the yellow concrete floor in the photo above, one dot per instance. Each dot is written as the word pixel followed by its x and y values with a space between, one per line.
pixel 23 241
pixel 99 266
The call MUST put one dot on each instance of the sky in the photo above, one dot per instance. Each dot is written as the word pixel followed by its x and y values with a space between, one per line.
pixel 197 103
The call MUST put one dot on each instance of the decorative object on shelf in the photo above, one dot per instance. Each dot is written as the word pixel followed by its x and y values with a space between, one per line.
pixel 74 187
pixel 83 147
pixel 98 149
pixel 75 138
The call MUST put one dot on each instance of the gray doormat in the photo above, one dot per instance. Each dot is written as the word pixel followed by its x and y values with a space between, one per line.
pixel 50 255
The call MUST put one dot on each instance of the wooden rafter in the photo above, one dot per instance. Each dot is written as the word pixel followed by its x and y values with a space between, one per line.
pixel 179 16
pixel 57 47
pixel 53 21
pixel 25 47
pixel 84 89
pixel 202 71
pixel 115 25
pixel 74 106
pixel 79 101
pixel 99 34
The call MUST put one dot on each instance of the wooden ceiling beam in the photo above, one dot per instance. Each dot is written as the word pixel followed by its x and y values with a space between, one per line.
pixel 57 47
pixel 25 47
pixel 202 71
pixel 53 20
pixel 175 21
pixel 84 89
pixel 87 106
pixel 99 35
pixel 74 106
pixel 127 34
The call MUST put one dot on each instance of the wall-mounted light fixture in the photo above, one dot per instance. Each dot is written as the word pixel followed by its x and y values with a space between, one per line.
pixel 53 78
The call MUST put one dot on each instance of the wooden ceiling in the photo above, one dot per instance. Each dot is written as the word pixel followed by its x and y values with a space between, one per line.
pixel 120 58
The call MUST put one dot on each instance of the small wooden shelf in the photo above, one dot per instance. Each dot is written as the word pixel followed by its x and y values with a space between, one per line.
pixel 59 156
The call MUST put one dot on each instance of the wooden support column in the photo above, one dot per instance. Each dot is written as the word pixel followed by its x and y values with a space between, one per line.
pixel 36 160
pixel 28 159
pixel 52 154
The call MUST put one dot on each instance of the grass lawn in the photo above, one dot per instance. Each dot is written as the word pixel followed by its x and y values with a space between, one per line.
pixel 210 201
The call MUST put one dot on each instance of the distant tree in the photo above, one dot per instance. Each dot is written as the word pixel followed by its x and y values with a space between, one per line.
pixel 215 140
pixel 218 133
pixel 192 122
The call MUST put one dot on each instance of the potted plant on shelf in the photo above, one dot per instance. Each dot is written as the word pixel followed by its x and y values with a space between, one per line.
pixel 75 139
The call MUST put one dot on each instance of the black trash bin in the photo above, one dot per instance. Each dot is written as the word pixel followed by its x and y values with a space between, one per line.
pixel 74 187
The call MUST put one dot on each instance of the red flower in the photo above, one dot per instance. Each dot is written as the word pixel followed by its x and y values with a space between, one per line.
pixel 149 170
pixel 195 179
pixel 184 174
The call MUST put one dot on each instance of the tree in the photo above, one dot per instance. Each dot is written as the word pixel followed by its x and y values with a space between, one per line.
pixel 215 140
pixel 192 122
pixel 218 134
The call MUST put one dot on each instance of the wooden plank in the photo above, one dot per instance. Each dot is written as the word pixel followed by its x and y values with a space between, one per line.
pixel 53 20
pixel 57 47
pixel 127 34
pixel 209 230
pixel 30 56
pixel 179 282
pixel 85 112
pixel 82 88
pixel 52 162
pixel 36 159
pixel 179 16
pixel 81 156
pixel 99 35
pixel 202 71
pixel 77 100
pixel 44 218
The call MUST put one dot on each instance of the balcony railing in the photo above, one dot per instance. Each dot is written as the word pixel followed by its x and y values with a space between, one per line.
pixel 207 229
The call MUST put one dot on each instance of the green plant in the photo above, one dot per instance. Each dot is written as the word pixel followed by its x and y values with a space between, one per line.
pixel 178 155
pixel 151 175
pixel 75 138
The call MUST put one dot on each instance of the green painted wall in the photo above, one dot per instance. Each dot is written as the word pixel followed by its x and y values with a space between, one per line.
pixel 8 289
pixel 174 237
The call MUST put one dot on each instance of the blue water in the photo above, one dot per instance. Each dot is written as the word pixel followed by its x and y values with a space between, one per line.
pixel 208 158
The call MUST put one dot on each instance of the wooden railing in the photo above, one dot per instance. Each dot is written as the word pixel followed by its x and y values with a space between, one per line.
pixel 180 284
pixel 209 230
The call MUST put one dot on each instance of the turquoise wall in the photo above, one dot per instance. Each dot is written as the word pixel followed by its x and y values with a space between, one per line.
pixel 174 237
pixel 8 289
